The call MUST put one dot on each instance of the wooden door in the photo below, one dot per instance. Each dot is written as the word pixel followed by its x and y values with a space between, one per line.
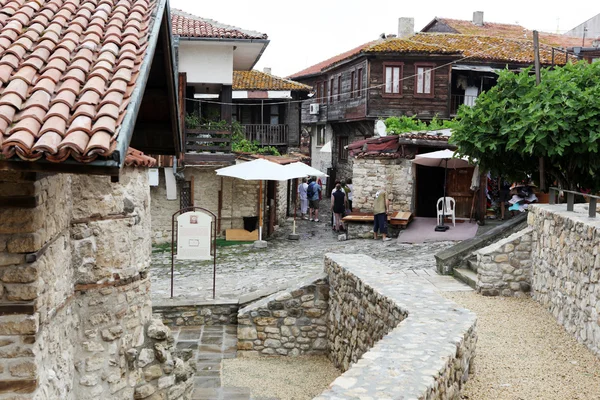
pixel 459 183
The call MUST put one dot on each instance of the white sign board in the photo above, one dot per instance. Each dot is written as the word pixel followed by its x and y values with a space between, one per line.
pixel 194 239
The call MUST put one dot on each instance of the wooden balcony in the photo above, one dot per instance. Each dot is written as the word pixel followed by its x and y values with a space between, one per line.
pixel 267 135
pixel 206 145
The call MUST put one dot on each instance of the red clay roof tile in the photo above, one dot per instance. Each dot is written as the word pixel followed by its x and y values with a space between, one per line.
pixel 64 69
pixel 188 25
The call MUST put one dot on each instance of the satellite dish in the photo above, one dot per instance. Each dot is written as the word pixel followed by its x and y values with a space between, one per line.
pixel 380 128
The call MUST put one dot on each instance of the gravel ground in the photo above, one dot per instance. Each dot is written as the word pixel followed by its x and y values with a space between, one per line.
pixel 523 353
pixel 283 378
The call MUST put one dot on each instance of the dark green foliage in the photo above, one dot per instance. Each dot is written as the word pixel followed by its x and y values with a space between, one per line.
pixel 516 122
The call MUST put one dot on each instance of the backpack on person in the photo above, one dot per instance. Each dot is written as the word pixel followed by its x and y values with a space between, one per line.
pixel 310 191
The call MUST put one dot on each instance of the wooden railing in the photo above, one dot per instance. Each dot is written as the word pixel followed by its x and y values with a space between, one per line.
pixel 456 100
pixel 267 135
pixel 205 139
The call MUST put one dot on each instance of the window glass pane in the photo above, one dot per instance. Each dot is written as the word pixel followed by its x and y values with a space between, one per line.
pixel 396 79
pixel 388 79
pixel 419 80
pixel 427 88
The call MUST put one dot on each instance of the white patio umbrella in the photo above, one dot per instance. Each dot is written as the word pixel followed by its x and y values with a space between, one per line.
pixel 258 170
pixel 445 159
pixel 303 169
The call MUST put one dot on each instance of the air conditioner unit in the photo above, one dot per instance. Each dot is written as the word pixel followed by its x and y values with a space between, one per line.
pixel 314 109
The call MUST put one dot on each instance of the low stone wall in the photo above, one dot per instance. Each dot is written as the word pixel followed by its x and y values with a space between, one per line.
pixel 290 323
pixel 172 313
pixel 566 268
pixel 428 351
pixel 504 268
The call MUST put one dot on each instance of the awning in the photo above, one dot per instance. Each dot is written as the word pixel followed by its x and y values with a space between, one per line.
pixel 258 170
pixel 443 158
pixel 478 68
pixel 305 170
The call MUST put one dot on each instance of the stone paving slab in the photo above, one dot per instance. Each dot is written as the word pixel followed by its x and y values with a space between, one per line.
pixel 248 273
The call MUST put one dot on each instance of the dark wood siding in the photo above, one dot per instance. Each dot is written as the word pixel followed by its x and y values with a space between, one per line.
pixel 409 104
pixel 339 105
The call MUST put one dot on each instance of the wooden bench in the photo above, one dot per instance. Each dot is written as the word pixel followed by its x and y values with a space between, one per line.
pixel 241 235
pixel 399 219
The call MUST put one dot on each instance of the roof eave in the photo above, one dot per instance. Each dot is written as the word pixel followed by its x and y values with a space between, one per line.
pixel 128 124
pixel 266 43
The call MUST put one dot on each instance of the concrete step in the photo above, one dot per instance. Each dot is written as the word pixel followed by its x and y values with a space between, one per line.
pixel 467 276
pixel 472 264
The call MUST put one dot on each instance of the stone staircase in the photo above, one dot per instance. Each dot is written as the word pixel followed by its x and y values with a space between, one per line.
pixel 467 272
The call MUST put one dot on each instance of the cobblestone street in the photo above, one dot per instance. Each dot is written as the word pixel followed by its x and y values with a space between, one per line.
pixel 241 269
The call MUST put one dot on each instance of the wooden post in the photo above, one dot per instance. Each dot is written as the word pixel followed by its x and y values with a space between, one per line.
pixel 538 79
pixel 192 191
pixel 260 210
pixel 220 207
pixel 482 199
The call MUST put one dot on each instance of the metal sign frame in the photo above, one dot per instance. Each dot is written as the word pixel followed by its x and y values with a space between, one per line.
pixel 174 241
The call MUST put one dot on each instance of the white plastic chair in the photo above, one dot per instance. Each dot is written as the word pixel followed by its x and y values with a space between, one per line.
pixel 448 211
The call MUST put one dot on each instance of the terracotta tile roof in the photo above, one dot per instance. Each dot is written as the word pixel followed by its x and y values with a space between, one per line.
pixel 466 27
pixel 136 158
pixel 317 68
pixel 486 48
pixel 67 72
pixel 398 45
pixel 256 80
pixel 185 24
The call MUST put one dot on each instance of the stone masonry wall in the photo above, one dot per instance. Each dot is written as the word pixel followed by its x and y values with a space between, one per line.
pixel 162 210
pixel 208 313
pixel 428 351
pixel 373 174
pixel 76 314
pixel 566 268
pixel 358 316
pixel 504 268
pixel 289 323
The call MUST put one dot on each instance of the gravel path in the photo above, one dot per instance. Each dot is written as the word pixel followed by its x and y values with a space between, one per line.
pixel 523 353
pixel 283 378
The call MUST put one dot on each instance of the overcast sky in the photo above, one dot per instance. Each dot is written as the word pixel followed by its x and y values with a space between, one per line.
pixel 303 33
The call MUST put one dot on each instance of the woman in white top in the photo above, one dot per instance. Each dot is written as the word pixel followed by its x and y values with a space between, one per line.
pixel 302 187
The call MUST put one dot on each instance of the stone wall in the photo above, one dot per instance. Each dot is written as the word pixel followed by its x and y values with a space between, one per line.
pixel 358 316
pixel 290 323
pixel 373 174
pixel 428 351
pixel 504 268
pixel 162 210
pixel 75 292
pixel 566 268
pixel 207 313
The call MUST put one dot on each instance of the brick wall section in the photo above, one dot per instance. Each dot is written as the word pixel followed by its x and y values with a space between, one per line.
pixel 289 323
pixel 504 268
pixel 373 174
pixel 566 268
pixel 84 309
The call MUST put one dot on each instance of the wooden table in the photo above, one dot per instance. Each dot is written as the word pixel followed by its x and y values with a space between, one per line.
pixel 399 218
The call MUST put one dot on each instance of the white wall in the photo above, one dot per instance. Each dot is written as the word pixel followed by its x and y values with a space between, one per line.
pixel 320 160
pixel 206 62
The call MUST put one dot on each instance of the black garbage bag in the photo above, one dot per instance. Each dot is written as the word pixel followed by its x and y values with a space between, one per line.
pixel 250 223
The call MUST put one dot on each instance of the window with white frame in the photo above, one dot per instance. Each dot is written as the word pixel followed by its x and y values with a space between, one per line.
pixel 424 80
pixel 320 135
pixel 392 76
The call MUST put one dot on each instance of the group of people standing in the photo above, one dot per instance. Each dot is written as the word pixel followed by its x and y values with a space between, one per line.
pixel 310 191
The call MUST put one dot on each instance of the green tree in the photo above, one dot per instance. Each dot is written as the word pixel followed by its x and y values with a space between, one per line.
pixel 516 122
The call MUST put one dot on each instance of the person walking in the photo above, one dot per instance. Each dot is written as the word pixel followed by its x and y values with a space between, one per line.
pixel 380 210
pixel 349 195
pixel 313 192
pixel 338 206
pixel 302 195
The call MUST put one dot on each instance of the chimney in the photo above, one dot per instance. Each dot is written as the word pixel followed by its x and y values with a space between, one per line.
pixel 478 18
pixel 267 70
pixel 406 27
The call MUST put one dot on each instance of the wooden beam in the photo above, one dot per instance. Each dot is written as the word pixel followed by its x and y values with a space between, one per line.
pixel 64 167
pixel 19 201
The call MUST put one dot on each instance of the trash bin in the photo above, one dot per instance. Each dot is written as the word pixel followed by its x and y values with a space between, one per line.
pixel 250 223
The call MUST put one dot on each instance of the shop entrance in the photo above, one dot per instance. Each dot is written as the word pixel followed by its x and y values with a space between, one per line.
pixel 430 187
